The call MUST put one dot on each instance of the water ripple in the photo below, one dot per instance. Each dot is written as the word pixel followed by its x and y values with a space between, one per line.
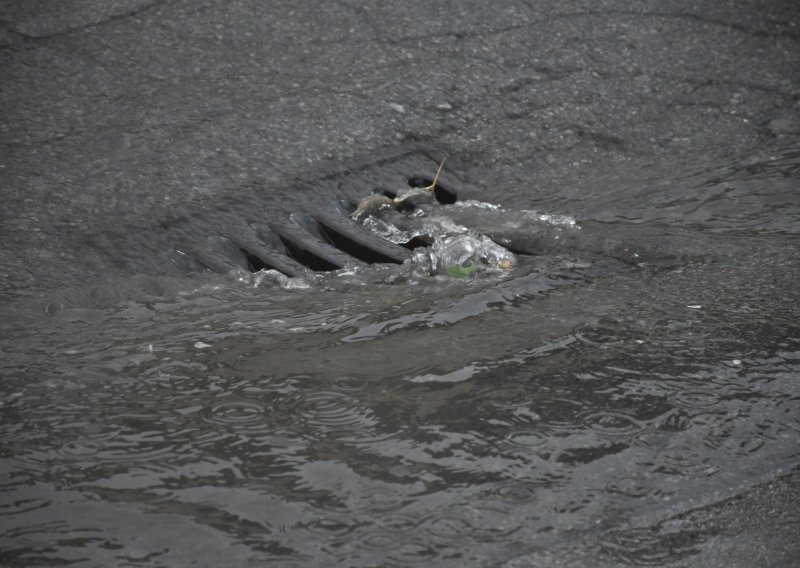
pixel 234 413
pixel 573 421
pixel 135 448
pixel 632 486
pixel 478 522
pixel 696 398
pixel 605 334
pixel 350 384
pixel 516 492
pixel 334 411
pixel 399 522
pixel 392 529
pixel 644 547
pixel 611 423
pixel 526 438
pixel 18 498
pixel 332 526
pixel 383 498
pixel 412 553
pixel 683 462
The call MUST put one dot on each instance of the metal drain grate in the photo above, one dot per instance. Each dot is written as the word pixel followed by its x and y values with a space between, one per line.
pixel 305 226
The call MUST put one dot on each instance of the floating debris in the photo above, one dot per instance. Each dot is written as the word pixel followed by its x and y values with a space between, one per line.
pixel 376 202
pixel 455 250
pixel 462 255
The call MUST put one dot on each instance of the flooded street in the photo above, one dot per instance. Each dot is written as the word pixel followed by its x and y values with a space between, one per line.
pixel 409 283
pixel 573 410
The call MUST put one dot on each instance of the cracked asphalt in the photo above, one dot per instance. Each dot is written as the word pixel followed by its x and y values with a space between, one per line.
pixel 112 107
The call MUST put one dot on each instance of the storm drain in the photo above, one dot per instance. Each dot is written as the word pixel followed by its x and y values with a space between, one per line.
pixel 263 232
pixel 310 225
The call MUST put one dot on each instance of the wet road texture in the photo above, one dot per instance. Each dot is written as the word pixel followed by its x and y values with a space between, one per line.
pixel 115 112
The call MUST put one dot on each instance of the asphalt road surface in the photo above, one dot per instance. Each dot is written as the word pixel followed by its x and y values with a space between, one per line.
pixel 130 105
pixel 126 106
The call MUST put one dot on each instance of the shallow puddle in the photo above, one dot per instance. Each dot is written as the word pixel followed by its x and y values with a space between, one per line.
pixel 392 417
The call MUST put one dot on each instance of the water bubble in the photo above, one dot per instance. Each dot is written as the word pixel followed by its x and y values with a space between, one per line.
pixel 389 231
pixel 474 204
pixel 275 278
pixel 461 255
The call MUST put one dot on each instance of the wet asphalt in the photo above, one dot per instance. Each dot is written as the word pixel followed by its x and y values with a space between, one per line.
pixel 130 105
pixel 112 107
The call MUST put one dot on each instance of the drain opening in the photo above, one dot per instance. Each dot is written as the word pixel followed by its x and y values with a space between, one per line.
pixel 420 241
pixel 356 249
pixel 512 249
pixel 307 258
pixel 442 194
pixel 254 264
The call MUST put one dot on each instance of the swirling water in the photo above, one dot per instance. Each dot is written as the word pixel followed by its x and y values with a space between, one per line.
pixel 377 420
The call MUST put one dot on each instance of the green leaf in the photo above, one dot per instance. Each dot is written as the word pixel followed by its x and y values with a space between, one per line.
pixel 462 271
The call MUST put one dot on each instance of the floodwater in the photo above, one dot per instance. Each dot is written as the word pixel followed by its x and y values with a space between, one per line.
pixel 392 417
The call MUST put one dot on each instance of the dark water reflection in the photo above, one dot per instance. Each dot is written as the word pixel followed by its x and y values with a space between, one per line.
pixel 448 424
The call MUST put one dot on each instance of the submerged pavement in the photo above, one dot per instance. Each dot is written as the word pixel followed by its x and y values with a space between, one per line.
pixel 116 108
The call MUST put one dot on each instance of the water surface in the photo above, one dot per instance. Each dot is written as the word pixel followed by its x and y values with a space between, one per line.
pixel 379 419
